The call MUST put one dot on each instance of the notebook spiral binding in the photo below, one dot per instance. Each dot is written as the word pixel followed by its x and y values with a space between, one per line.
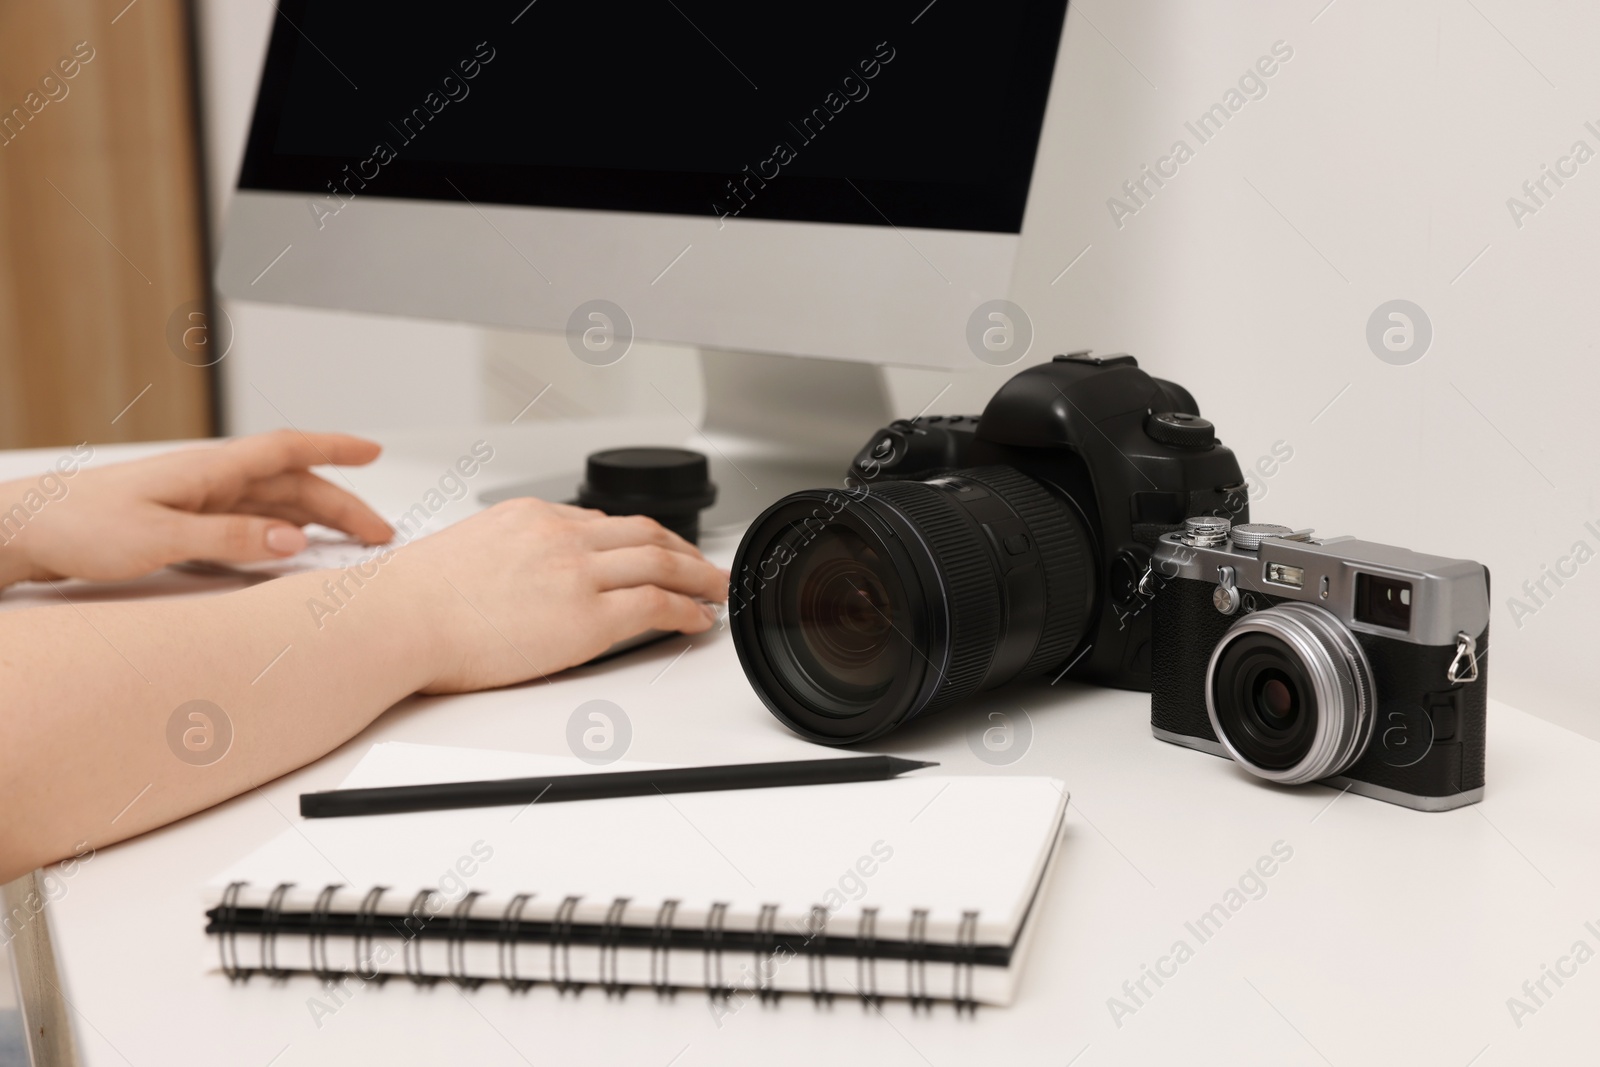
pixel 510 926
pixel 369 923
pixel 917 961
pixel 456 947
pixel 714 923
pixel 269 936
pixel 766 948
pixel 561 941
pixel 866 959
pixel 410 948
pixel 228 943
pixel 319 934
pixel 967 941
pixel 610 945
pixel 660 942
pixel 816 964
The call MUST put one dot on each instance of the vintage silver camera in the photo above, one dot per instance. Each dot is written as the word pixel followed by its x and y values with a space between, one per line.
pixel 1355 664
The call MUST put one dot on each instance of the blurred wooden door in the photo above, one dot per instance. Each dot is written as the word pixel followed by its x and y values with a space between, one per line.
pixel 104 289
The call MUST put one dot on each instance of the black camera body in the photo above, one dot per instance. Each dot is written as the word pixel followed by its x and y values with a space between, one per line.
pixel 1128 451
pixel 963 552
pixel 1354 664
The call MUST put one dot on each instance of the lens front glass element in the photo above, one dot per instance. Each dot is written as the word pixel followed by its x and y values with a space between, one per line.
pixel 1276 703
pixel 837 602
pixel 1265 702
pixel 845 619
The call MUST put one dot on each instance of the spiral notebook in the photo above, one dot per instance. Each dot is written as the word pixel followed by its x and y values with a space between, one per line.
pixel 920 887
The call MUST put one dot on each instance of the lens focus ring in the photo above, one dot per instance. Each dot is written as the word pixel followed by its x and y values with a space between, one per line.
pixel 1340 677
pixel 973 598
pixel 1063 545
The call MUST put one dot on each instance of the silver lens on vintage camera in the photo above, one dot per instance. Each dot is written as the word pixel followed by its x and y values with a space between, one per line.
pixel 1289 693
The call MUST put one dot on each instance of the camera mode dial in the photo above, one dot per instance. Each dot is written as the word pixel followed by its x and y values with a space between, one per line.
pixel 1180 430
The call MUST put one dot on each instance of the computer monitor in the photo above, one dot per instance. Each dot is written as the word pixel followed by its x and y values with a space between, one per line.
pixel 837 180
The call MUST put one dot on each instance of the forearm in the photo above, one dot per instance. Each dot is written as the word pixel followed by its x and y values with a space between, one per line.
pixel 89 751
pixel 14 563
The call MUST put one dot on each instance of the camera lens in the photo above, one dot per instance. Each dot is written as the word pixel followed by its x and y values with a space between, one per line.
pixel 855 610
pixel 1289 694
pixel 1276 700
pixel 1266 700
pixel 837 619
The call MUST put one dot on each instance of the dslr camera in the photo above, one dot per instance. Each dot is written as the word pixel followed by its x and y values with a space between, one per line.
pixel 1345 662
pixel 963 552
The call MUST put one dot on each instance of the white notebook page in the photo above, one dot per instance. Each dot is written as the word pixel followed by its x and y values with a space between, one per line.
pixel 946 845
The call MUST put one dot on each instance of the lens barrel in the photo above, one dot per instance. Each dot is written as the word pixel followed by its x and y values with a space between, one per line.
pixel 856 610
pixel 1289 694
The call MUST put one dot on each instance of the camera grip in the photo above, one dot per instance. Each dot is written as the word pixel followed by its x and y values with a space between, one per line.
pixel 1186 628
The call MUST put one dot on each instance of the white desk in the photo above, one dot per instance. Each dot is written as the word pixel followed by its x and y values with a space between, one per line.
pixel 1391 936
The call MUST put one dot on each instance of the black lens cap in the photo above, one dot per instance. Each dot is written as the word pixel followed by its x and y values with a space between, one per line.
pixel 670 485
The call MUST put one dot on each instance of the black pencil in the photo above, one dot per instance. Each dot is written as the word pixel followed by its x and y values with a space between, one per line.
pixel 388 800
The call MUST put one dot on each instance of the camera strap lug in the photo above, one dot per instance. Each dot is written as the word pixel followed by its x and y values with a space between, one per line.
pixel 1464 666
pixel 1146 585
pixel 1225 597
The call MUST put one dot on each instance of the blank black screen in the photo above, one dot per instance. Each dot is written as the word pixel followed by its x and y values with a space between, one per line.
pixel 906 114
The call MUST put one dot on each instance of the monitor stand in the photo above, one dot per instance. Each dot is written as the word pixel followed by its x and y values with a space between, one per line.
pixel 773 425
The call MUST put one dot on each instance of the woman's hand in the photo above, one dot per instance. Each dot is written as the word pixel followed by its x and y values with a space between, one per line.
pixel 299 664
pixel 528 588
pixel 237 502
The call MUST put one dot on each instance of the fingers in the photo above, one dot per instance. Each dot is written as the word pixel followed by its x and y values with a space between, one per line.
pixel 643 565
pixel 286 512
pixel 301 497
pixel 625 531
pixel 266 454
pixel 234 538
pixel 649 607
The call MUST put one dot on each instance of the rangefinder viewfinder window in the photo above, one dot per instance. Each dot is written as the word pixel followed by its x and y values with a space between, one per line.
pixel 1383 601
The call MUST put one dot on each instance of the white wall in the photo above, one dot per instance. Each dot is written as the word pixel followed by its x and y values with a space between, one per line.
pixel 1377 166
